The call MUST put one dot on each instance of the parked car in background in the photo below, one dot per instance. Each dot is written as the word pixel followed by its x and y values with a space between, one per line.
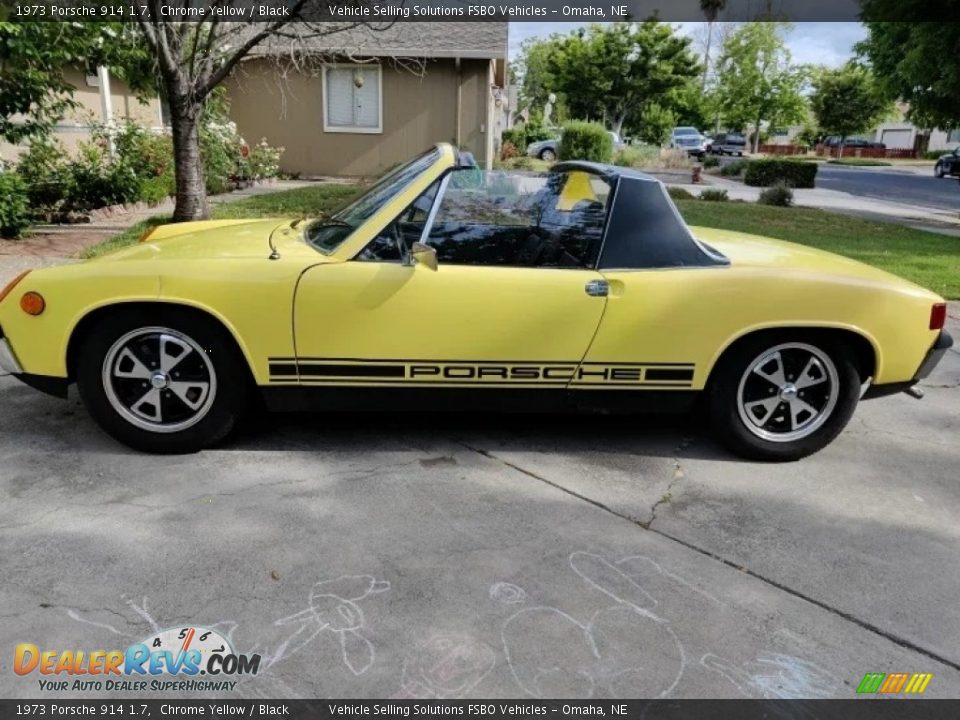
pixel 694 145
pixel 678 132
pixel 549 150
pixel 853 142
pixel 728 144
pixel 948 164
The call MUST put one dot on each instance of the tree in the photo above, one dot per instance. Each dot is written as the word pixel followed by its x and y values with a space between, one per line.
pixel 190 59
pixel 847 101
pixel 613 72
pixel 914 61
pixel 757 81
pixel 34 95
pixel 711 9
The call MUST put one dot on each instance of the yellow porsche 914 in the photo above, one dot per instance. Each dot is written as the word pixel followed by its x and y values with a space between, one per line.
pixel 446 287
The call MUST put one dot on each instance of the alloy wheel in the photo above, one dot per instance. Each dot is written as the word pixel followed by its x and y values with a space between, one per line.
pixel 788 392
pixel 159 379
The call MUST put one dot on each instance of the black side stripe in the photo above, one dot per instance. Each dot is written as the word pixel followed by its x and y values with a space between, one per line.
pixel 668 374
pixel 313 370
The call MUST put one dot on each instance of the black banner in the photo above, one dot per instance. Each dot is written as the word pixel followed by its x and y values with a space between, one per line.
pixel 513 709
pixel 391 11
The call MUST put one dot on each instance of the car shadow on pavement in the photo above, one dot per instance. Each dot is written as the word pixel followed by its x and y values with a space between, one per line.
pixel 631 435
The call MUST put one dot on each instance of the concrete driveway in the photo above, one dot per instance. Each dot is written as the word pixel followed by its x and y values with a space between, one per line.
pixel 428 556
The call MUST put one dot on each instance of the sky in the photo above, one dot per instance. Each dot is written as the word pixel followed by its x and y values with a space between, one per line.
pixel 826 43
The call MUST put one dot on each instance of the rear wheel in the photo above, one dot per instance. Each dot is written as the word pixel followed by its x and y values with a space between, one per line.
pixel 173 382
pixel 776 397
pixel 548 155
pixel 938 170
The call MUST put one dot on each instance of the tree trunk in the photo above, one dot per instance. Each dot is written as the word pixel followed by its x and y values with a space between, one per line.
pixel 840 148
pixel 617 124
pixel 191 200
pixel 706 56
pixel 756 138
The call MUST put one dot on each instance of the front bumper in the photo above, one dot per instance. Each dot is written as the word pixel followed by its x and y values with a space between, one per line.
pixel 934 356
pixel 9 365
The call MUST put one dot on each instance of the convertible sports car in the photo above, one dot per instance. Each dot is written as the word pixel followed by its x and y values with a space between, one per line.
pixel 446 287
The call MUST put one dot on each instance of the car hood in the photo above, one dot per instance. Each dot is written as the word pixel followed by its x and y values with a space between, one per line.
pixel 214 239
pixel 745 250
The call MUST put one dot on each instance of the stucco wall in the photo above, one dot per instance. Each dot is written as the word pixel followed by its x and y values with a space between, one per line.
pixel 418 111
pixel 75 126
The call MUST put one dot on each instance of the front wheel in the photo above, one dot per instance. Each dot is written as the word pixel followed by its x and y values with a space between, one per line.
pixel 171 382
pixel 548 155
pixel 938 170
pixel 780 398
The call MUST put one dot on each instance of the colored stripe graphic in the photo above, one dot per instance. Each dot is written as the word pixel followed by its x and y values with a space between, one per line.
pixel 894 683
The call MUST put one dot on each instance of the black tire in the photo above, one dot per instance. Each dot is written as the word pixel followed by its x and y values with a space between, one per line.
pixel 938 171
pixel 227 385
pixel 548 155
pixel 734 369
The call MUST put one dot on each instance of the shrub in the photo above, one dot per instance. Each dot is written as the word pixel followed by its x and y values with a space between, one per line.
pixel 655 124
pixel 678 193
pixel 674 159
pixel 508 150
pixel 778 194
pixel 714 195
pixel 261 162
pixel 14 208
pixel 586 141
pixel 636 156
pixel 516 136
pixel 765 173
pixel 535 131
pixel 710 161
pixel 96 181
pixel 735 168
pixel 43 169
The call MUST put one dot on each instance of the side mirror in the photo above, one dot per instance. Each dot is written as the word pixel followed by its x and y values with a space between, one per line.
pixel 424 255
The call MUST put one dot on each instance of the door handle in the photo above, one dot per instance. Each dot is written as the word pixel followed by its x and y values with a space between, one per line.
pixel 597 288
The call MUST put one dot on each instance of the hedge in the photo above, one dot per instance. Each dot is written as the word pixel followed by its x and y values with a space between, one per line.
pixel 764 173
pixel 14 210
pixel 586 141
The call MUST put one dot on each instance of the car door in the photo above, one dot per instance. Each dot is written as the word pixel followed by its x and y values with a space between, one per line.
pixel 509 304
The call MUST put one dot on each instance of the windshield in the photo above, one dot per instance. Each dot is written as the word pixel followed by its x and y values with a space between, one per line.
pixel 326 234
pixel 685 131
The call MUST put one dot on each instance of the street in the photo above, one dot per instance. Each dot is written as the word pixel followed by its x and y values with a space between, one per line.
pixel 895 186
pixel 490 556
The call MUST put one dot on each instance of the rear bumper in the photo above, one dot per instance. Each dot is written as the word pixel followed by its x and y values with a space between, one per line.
pixel 933 357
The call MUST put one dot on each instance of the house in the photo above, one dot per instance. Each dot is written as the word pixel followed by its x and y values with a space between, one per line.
pixel 357 102
pixel 100 97
pixel 374 98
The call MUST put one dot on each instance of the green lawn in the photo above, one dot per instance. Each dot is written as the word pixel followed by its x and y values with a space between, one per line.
pixel 928 259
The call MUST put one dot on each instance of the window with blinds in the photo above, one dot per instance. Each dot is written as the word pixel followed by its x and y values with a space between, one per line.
pixel 351 98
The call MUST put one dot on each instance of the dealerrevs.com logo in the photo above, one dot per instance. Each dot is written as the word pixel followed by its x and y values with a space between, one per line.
pixel 171 660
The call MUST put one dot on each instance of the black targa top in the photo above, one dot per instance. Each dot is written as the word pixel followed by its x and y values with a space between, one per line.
pixel 644 230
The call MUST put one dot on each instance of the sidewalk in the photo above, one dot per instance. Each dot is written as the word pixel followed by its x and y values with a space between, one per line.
pixel 930 219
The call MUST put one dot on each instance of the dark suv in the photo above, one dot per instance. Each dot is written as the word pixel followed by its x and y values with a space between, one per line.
pixel 728 144
pixel 948 164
